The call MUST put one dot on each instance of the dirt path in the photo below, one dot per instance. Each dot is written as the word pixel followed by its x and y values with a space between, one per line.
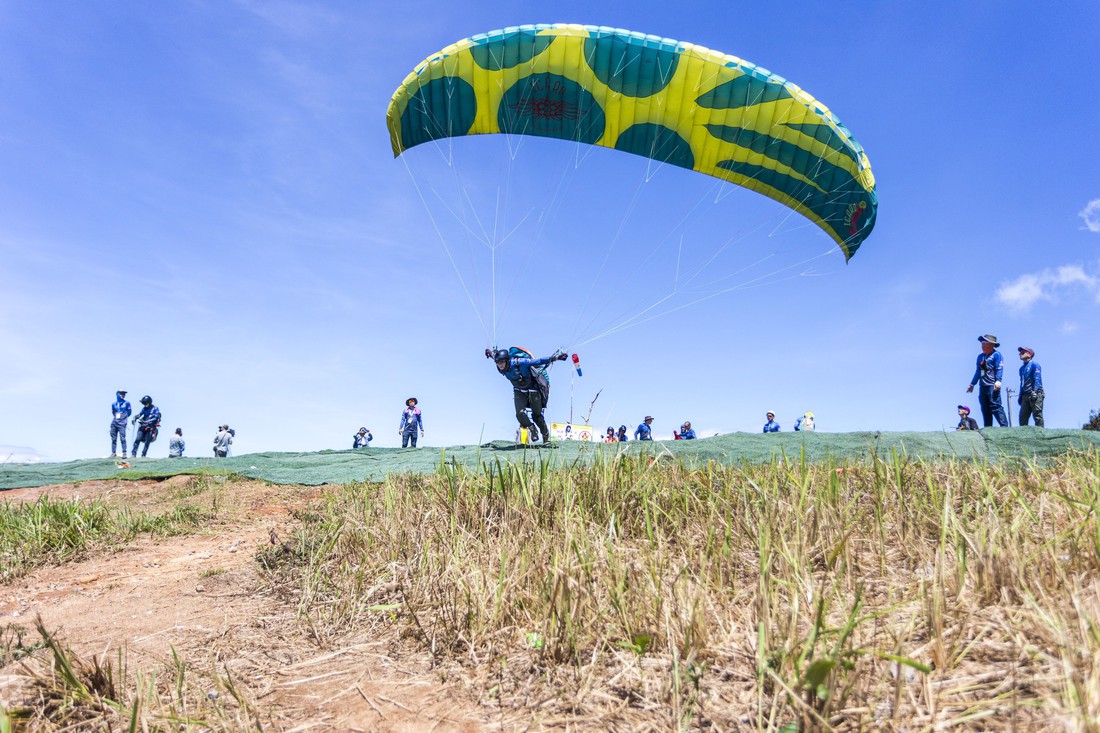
pixel 202 595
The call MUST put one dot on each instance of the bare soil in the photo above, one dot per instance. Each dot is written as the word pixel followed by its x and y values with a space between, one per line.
pixel 203 596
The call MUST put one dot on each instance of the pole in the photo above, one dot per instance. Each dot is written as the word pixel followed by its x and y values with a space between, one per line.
pixel 1009 393
pixel 571 397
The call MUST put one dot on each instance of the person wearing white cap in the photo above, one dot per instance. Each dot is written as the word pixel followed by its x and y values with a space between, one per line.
pixel 771 426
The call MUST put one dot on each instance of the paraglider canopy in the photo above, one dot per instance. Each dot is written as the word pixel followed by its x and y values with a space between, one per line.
pixel 673 102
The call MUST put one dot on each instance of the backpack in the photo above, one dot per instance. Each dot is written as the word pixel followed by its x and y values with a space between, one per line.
pixel 539 375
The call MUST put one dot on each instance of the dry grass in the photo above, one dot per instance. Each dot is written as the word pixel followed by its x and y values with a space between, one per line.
pixel 68 693
pixel 640 594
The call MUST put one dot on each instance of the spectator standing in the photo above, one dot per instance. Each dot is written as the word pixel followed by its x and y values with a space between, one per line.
pixel 622 437
pixel 411 420
pixel 965 421
pixel 989 370
pixel 1031 388
pixel 120 413
pixel 222 441
pixel 610 436
pixel 686 433
pixel 805 423
pixel 645 430
pixel 176 445
pixel 771 426
pixel 361 439
pixel 148 423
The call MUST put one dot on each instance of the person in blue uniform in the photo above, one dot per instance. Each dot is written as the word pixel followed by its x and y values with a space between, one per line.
pixel 1031 388
pixel 645 430
pixel 622 437
pixel 120 413
pixel 686 432
pixel 771 426
pixel 148 422
pixel 529 389
pixel 411 420
pixel 989 370
pixel 361 439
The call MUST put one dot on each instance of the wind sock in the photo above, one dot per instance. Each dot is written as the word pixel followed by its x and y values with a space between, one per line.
pixel 577 365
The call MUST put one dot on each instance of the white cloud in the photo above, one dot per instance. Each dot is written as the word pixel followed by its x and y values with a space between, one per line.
pixel 20 454
pixel 1069 327
pixel 1025 291
pixel 1091 215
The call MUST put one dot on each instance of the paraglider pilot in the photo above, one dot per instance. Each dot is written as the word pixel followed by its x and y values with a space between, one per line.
pixel 528 390
pixel 148 423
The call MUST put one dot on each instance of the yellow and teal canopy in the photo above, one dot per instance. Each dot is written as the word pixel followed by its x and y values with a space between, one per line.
pixel 673 102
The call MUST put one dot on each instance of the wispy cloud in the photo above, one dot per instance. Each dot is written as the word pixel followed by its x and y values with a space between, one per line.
pixel 20 454
pixel 1069 327
pixel 1091 215
pixel 1025 291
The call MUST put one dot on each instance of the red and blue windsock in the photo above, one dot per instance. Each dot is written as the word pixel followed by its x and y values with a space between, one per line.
pixel 577 365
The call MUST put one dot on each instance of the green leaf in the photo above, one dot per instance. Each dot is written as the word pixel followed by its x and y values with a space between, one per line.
pixel 817 672
pixel 907 662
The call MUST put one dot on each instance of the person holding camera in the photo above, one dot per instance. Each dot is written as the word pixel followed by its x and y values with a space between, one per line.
pixel 361 439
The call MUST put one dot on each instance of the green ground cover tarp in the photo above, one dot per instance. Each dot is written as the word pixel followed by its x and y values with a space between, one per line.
pixel 373 464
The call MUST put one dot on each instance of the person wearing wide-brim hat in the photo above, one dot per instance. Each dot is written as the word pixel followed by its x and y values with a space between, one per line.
pixel 965 421
pixel 989 370
pixel 1031 388
pixel 411 420
pixel 645 430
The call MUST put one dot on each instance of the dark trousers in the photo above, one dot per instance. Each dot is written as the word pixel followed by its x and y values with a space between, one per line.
pixel 118 432
pixel 409 436
pixel 1031 405
pixel 523 400
pixel 990 401
pixel 144 435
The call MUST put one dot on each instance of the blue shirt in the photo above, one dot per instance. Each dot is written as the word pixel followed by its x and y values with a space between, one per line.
pixel 622 436
pixel 121 412
pixel 1031 377
pixel 771 426
pixel 361 441
pixel 688 434
pixel 148 417
pixel 989 369
pixel 519 372
pixel 410 419
pixel 644 432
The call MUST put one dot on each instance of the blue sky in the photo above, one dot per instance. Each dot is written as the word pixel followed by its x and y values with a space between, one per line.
pixel 198 201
